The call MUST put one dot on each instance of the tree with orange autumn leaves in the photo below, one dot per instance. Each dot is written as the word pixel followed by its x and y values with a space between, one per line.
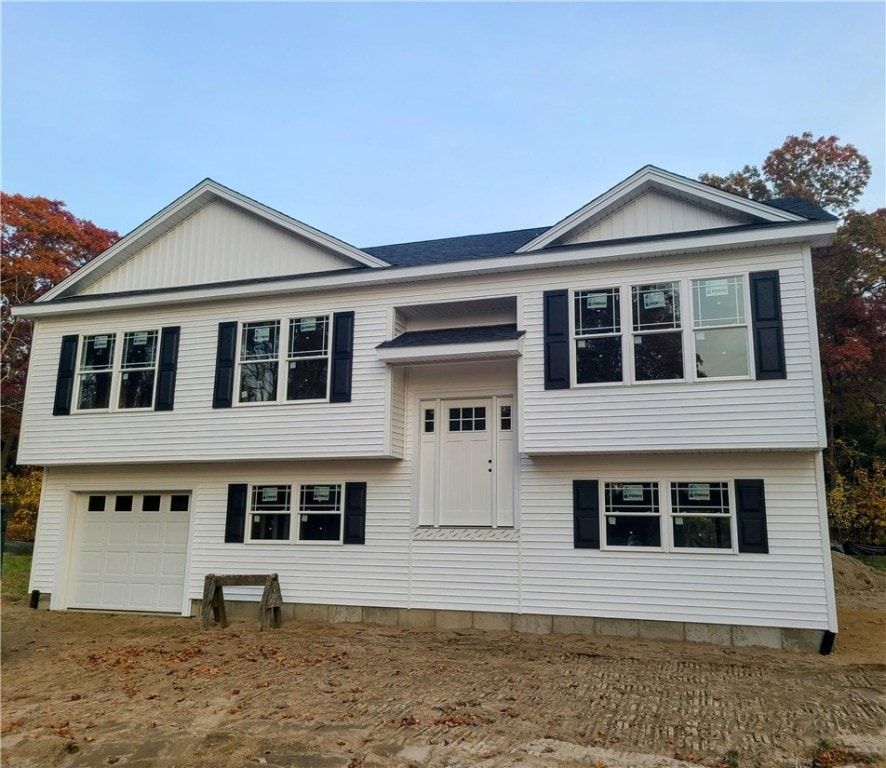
pixel 42 243
pixel 850 299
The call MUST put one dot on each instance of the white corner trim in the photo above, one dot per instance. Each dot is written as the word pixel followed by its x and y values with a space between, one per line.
pixel 650 176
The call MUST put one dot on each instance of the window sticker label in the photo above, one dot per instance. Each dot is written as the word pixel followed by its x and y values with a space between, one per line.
pixel 100 342
pixel 632 492
pixel 699 335
pixel 699 491
pixel 269 494
pixel 678 521
pixel 597 301
pixel 654 300
pixel 140 339
pixel 321 493
pixel 262 334
pixel 610 520
pixel 716 288
pixel 308 324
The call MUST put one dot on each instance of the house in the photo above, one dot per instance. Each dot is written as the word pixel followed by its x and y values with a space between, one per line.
pixel 610 425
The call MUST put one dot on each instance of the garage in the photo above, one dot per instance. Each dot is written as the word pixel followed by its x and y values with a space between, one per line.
pixel 129 551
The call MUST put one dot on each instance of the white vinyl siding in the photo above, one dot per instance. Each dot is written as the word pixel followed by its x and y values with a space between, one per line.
pixel 713 414
pixel 654 214
pixel 539 573
pixel 220 242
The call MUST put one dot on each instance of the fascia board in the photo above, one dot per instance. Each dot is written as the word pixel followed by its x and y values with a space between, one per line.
pixel 815 233
pixel 188 204
pixel 443 353
pixel 662 179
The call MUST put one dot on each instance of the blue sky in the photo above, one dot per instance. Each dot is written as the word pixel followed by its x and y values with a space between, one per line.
pixel 383 123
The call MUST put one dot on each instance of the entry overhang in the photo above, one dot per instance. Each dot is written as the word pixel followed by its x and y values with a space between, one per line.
pixel 485 342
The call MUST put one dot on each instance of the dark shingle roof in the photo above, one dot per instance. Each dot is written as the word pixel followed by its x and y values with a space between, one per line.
pixel 454 248
pixel 801 207
pixel 474 334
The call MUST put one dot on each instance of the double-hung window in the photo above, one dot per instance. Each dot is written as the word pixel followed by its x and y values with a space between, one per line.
pixel 632 514
pixel 318 513
pixel 700 515
pixel 118 371
pixel 138 369
pixel 597 318
pixel 720 327
pixel 305 342
pixel 657 331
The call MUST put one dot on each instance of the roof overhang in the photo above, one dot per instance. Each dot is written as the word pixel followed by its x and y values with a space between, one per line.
pixel 451 353
pixel 814 233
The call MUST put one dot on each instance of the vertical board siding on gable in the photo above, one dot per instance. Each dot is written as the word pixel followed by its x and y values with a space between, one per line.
pixel 219 242
pixel 783 588
pixel 654 213
pixel 778 414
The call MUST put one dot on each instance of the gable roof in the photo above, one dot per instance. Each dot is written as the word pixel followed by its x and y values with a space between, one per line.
pixel 650 178
pixel 186 206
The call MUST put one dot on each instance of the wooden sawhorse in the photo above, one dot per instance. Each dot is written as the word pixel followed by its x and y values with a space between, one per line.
pixel 214 598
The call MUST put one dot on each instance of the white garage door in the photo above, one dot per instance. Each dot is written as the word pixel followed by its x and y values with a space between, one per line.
pixel 130 551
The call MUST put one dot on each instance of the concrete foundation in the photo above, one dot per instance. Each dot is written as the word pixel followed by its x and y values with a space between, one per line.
pixel 807 640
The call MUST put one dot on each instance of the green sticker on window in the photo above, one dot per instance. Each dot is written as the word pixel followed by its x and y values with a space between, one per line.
pixel 321 493
pixel 632 492
pixel 597 301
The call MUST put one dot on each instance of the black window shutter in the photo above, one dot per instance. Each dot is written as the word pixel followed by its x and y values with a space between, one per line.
pixel 586 513
pixel 556 322
pixel 165 396
pixel 355 513
pixel 766 317
pixel 235 521
pixel 64 382
pixel 342 357
pixel 750 503
pixel 223 394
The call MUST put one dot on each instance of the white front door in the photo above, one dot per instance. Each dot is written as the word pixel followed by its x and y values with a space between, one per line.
pixel 129 552
pixel 466 462
pixel 466 471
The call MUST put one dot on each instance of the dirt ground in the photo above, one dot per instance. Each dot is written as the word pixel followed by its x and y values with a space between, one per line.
pixel 84 689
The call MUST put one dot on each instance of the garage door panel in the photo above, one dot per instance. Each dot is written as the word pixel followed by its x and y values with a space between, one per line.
pixel 145 563
pixel 118 564
pixel 148 533
pixel 114 594
pixel 129 560
pixel 176 532
pixel 120 532
pixel 173 564
pixel 94 533
pixel 143 596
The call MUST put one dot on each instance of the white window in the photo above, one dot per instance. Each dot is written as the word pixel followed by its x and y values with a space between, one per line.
pixel 689 516
pixel 657 331
pixel 319 513
pixel 632 514
pixel 270 512
pixel 117 370
pixel 720 327
pixel 714 329
pixel 303 345
pixel 318 516
pixel 701 517
pixel 597 331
